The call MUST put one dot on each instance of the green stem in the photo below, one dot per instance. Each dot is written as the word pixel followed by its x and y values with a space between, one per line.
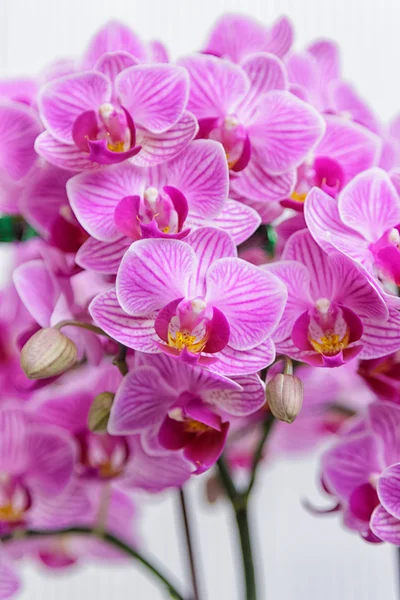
pixel 120 360
pixel 107 537
pixel 87 326
pixel 189 544
pixel 267 426
pixel 242 521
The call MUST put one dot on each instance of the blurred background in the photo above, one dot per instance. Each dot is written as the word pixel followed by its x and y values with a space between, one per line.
pixel 300 557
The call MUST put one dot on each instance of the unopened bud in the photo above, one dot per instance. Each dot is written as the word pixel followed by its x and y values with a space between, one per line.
pixel 99 412
pixel 47 353
pixel 214 489
pixel 285 396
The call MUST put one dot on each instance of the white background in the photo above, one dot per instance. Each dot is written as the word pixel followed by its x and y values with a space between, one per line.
pixel 303 557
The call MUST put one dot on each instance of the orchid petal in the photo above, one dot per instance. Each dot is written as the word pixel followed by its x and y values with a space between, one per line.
pixel 103 257
pixel 239 220
pixel 255 183
pixel 236 362
pixel 112 37
pixel 112 63
pixel 14 455
pixel 389 490
pixel 19 127
pixel 64 156
pixel 385 526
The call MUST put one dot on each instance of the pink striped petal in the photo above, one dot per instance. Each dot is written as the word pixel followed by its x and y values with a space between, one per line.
pixel 265 72
pixel 326 55
pixel 350 464
pixel 134 332
pixel 141 402
pixel 239 220
pixel 216 85
pixel 284 131
pixel 64 156
pixel 209 244
pixel 303 71
pixel 157 148
pixel 103 257
pixel 235 362
pixel 19 127
pixel 14 454
pixel 301 247
pixel 62 100
pixel 158 52
pixel 389 490
pixel 200 172
pixel 153 273
pixel 321 213
pixel 370 205
pixel 280 38
pixel 381 338
pixel 251 299
pixel 354 147
pixel 239 402
pixel 255 183
pixel 37 289
pixel 296 278
pixel 54 460
pixel 112 37
pixel 347 101
pixel 95 196
pixel 154 95
pixel 385 526
pixel 156 473
pixel 384 421
pixel 10 583
pixel 112 63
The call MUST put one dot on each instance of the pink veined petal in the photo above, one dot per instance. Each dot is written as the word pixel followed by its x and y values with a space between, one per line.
pixel 53 459
pixel 265 72
pixel 370 205
pixel 200 172
pixel 37 289
pixel 326 54
pixel 284 130
pixel 381 338
pixel 205 449
pixel 303 71
pixel 384 421
pixel 321 213
pixel 14 454
pixel 73 506
pixel 354 290
pixel 301 247
pixel 237 219
pixel 252 300
pixel 112 63
pixel 112 37
pixel 255 183
pixel 64 156
pixel 280 37
pixel 62 101
pixel 296 278
pixel 154 95
pixel 103 257
pixel 389 490
pixel 235 36
pixel 157 148
pixel 385 526
pixel 209 244
pixel 134 332
pixel 141 402
pixel 346 100
pixel 353 146
pixel 10 583
pixel 235 362
pixel 19 127
pixel 158 52
pixel 216 85
pixel 239 402
pixel 95 196
pixel 153 273
pixel 155 473
pixel 350 464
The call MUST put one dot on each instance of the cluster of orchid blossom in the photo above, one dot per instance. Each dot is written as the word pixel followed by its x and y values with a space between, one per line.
pixel 185 233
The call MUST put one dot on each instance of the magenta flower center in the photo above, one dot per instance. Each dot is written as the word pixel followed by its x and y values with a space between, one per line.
pixel 113 126
pixel 189 327
pixel 328 331
pixel 104 456
pixel 232 135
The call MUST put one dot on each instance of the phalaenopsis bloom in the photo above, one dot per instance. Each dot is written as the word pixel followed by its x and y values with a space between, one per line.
pixel 202 252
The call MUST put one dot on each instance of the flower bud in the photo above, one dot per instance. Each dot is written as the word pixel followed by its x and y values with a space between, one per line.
pixel 99 412
pixel 285 396
pixel 47 353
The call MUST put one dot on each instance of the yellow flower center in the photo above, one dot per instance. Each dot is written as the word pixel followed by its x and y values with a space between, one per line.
pixel 184 339
pixel 298 197
pixel 10 514
pixel 116 146
pixel 331 343
pixel 192 426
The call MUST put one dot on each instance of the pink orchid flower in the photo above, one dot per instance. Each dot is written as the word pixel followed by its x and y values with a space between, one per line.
pixel 333 313
pixel 117 111
pixel 362 223
pixel 196 301
pixel 125 203
pixel 382 376
pixel 235 37
pixel 266 131
pixel 102 459
pixel 37 462
pixel 10 583
pixel 180 406
pixel 363 470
